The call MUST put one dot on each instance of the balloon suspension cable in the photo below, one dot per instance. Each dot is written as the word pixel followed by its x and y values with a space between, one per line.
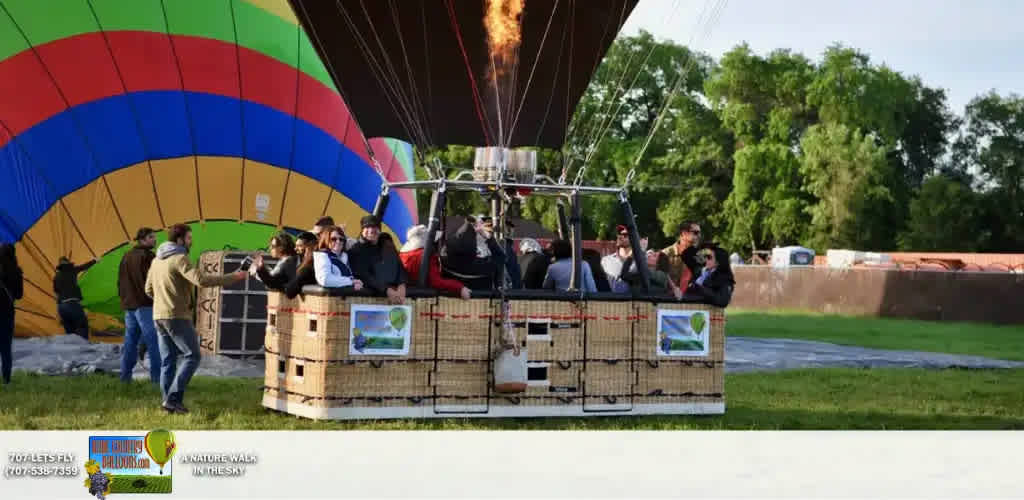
pixel 629 178
pixel 579 175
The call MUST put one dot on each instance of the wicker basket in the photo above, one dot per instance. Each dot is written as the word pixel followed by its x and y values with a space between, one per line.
pixel 593 358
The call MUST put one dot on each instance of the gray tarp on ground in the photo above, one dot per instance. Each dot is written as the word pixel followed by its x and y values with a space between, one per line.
pixel 71 355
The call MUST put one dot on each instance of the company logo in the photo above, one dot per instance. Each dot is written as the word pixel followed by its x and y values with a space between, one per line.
pixel 130 464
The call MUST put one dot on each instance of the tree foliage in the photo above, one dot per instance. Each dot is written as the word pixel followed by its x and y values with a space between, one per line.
pixel 778 149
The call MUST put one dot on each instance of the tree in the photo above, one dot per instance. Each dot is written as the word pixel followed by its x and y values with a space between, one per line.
pixel 993 144
pixel 945 217
pixel 846 172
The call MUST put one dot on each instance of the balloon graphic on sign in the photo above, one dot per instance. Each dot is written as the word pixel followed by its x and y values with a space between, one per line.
pixel 160 446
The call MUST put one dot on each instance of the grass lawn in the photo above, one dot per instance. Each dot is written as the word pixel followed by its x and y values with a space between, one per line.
pixel 1001 342
pixel 799 399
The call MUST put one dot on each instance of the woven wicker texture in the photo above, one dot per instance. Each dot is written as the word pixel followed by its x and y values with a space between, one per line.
pixel 603 358
pixel 463 328
pixel 458 383
pixel 562 387
pixel 607 383
pixel 610 328
pixel 678 382
pixel 553 330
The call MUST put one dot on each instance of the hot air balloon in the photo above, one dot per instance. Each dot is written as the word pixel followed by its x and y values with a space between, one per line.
pixel 121 114
pixel 429 67
pixel 160 446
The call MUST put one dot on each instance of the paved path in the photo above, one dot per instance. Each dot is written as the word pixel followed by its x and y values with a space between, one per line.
pixel 71 355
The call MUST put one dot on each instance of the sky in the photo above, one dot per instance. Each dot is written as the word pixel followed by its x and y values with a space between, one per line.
pixel 967 47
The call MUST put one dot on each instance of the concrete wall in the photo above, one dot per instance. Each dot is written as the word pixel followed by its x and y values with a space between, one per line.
pixel 929 295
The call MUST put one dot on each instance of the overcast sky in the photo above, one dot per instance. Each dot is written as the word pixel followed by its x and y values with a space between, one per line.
pixel 967 47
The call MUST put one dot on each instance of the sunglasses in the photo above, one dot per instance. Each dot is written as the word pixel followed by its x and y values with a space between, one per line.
pixel 336 238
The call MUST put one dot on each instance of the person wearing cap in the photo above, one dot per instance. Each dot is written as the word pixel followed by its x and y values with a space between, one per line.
pixel 69 297
pixel 474 256
pixel 612 264
pixel 412 256
pixel 376 265
pixel 682 255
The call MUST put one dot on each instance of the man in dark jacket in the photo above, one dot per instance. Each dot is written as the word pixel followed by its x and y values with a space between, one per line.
pixel 69 297
pixel 138 307
pixel 474 256
pixel 377 265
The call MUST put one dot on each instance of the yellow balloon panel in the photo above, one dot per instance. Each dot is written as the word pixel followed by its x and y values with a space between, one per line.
pixel 133 192
pixel 279 8
pixel 304 201
pixel 220 187
pixel 263 192
pixel 57 234
pixel 345 211
pixel 37 300
pixel 176 189
pixel 32 325
pixel 33 264
pixel 97 217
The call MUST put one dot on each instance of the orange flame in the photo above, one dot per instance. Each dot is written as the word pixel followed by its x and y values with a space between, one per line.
pixel 503 29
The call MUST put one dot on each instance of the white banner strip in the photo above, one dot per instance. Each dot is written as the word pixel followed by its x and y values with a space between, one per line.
pixel 509 464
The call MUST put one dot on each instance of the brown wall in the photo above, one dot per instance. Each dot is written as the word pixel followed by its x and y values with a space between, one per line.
pixel 930 295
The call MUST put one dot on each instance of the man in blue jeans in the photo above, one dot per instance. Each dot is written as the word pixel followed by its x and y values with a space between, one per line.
pixel 138 307
pixel 171 281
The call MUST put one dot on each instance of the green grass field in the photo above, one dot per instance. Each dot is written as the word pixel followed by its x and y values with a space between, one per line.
pixel 687 345
pixel 798 399
pixel 1001 342
pixel 385 342
pixel 154 484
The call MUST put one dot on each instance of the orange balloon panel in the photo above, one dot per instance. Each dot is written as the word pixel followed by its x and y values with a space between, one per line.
pixel 346 212
pixel 133 191
pixel 304 202
pixel 97 216
pixel 220 187
pixel 57 234
pixel 263 192
pixel 176 189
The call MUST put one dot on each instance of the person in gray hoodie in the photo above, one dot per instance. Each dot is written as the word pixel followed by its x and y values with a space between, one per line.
pixel 171 282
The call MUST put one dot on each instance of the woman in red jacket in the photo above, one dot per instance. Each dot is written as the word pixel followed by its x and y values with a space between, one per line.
pixel 412 255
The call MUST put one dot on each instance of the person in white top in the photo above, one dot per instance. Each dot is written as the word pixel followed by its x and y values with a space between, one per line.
pixel 612 263
pixel 330 261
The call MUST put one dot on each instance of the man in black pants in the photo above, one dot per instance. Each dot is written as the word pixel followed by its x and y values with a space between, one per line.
pixel 69 297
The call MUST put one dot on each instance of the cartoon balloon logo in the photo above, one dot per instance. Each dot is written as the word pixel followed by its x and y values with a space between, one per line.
pixel 398 318
pixel 161 446
pixel 697 323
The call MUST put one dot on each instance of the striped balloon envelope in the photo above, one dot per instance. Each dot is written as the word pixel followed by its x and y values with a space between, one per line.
pixel 121 114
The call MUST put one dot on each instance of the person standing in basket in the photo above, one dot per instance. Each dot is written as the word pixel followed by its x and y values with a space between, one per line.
pixel 682 255
pixel 170 282
pixel 11 290
pixel 331 264
pixel 282 247
pixel 376 265
pixel 138 307
pixel 69 297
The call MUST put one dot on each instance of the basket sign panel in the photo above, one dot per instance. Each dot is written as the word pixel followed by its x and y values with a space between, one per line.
pixel 682 332
pixel 380 330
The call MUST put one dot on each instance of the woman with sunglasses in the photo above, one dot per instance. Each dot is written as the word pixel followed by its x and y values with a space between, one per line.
pixel 282 247
pixel 715 283
pixel 330 261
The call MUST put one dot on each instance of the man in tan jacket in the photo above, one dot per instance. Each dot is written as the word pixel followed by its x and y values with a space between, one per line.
pixel 170 283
